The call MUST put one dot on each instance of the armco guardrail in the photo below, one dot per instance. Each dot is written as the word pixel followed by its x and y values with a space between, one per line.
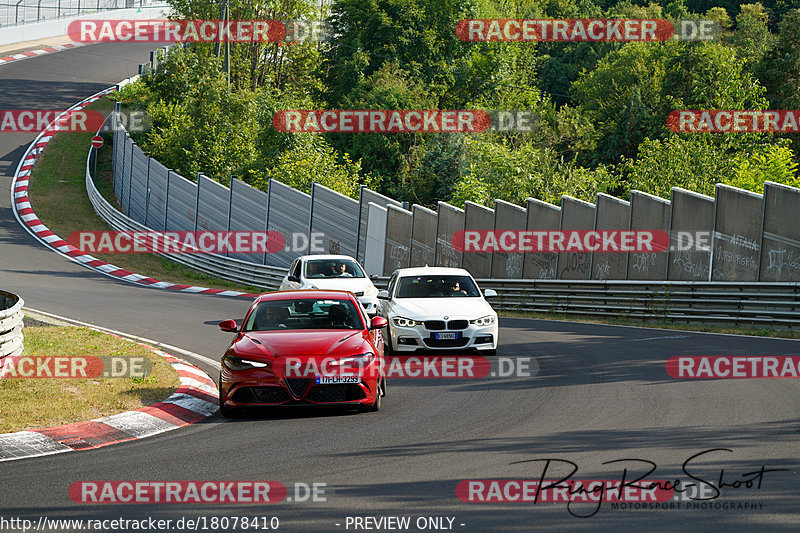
pixel 767 304
pixel 11 338
pixel 689 302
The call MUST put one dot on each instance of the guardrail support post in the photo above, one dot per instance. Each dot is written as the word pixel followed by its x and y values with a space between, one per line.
pixel 197 201
pixel 166 200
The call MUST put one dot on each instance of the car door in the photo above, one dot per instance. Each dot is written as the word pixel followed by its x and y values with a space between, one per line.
pixel 387 305
pixel 285 283
pixel 294 270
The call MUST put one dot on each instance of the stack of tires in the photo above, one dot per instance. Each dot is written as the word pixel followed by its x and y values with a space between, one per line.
pixel 10 325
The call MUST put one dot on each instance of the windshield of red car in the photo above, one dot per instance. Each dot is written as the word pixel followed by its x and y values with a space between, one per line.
pixel 305 313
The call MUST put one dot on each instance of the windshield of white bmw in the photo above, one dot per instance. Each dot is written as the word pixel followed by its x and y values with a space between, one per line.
pixel 294 314
pixel 436 287
pixel 333 268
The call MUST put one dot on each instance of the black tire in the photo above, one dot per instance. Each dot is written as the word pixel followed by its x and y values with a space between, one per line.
pixel 387 343
pixel 378 399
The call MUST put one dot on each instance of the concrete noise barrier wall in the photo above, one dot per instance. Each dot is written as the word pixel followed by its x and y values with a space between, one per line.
pixel 541 216
pixel 375 242
pixel 449 220
pixel 575 214
pixel 398 239
pixel 478 217
pixel 365 197
pixel 336 217
pixel 137 194
pixel 737 234
pixel 508 265
pixel 157 195
pixel 648 212
pixel 248 212
pixel 690 235
pixel 212 205
pixel 611 214
pixel 423 236
pixel 780 245
pixel 290 214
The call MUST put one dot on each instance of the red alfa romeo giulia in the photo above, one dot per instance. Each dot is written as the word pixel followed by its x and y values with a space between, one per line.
pixel 309 347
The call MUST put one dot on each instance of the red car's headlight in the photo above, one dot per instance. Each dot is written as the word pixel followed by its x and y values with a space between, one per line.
pixel 356 361
pixel 237 363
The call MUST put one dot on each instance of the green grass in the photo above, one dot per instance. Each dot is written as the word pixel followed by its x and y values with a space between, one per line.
pixel 45 402
pixel 58 196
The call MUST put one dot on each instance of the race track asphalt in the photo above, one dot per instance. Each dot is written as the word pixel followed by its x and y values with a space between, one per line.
pixel 596 394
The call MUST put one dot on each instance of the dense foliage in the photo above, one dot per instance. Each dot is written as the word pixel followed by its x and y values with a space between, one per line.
pixel 600 108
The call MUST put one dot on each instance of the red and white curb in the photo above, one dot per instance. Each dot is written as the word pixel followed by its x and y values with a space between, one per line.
pixel 195 399
pixel 37 53
pixel 28 219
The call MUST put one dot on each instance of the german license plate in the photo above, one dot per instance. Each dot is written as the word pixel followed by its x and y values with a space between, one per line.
pixel 335 380
pixel 450 335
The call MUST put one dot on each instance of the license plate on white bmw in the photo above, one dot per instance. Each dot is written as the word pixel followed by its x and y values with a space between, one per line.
pixel 336 380
pixel 449 335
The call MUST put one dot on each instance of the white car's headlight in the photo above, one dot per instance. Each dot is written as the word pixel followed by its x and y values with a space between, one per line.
pixel 237 363
pixel 371 291
pixel 405 322
pixel 487 320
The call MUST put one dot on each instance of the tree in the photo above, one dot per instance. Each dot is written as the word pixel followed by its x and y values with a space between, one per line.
pixel 752 38
pixel 698 161
pixel 780 69
pixel 417 35
pixel 313 160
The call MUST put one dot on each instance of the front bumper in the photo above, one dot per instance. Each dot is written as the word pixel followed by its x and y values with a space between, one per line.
pixel 411 339
pixel 257 387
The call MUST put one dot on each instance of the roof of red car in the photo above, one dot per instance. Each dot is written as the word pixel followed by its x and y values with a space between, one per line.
pixel 306 294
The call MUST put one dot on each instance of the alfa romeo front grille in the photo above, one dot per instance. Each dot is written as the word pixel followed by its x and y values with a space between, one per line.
pixel 297 386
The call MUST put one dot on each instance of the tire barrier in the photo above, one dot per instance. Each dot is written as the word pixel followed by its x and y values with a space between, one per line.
pixel 11 338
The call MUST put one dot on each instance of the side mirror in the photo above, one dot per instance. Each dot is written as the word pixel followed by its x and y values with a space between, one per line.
pixel 293 279
pixel 378 322
pixel 383 295
pixel 488 293
pixel 229 326
pixel 373 277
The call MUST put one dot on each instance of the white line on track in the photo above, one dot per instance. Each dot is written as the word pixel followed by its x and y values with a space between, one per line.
pixel 157 344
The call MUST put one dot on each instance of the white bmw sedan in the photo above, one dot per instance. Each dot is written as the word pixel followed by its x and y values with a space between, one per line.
pixel 336 272
pixel 440 309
